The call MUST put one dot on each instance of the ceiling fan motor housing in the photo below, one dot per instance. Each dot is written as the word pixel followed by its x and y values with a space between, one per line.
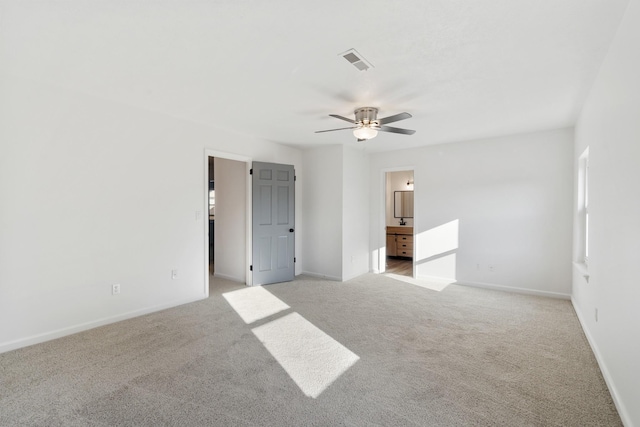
pixel 366 115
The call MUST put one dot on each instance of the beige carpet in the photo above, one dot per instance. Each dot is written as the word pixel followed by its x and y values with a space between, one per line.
pixel 459 357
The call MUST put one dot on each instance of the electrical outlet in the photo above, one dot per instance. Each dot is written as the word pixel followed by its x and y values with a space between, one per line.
pixel 492 268
pixel 115 289
pixel 174 273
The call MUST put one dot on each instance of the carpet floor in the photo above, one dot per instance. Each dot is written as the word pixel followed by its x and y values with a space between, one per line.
pixel 459 357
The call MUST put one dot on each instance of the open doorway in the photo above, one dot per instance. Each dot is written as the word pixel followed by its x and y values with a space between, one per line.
pixel 227 229
pixel 212 214
pixel 399 222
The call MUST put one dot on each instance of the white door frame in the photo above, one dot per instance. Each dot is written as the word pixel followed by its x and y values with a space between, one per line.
pixel 240 158
pixel 382 212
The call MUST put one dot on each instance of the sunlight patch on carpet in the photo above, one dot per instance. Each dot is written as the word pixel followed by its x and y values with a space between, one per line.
pixel 433 284
pixel 312 358
pixel 254 303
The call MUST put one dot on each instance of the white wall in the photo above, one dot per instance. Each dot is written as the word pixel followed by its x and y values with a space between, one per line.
pixel 609 126
pixel 493 212
pixel 322 209
pixel 336 212
pixel 355 217
pixel 95 193
pixel 230 221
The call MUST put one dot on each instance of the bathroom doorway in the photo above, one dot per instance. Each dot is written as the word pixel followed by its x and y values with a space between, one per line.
pixel 399 211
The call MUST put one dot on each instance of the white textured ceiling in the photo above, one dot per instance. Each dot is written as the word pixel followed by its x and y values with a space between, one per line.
pixel 271 69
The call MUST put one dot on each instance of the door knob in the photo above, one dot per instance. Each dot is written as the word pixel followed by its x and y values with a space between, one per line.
pixel 291 230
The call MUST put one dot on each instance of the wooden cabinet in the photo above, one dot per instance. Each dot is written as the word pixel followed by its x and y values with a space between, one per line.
pixel 400 241
pixel 391 244
pixel 404 246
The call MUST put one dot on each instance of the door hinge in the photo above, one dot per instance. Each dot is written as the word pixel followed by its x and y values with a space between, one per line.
pixel 294 259
pixel 251 268
pixel 250 171
pixel 295 178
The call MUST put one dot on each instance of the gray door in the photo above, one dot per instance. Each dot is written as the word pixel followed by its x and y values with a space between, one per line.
pixel 273 223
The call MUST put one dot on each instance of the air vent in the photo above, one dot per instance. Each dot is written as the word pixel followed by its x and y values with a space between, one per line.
pixel 357 60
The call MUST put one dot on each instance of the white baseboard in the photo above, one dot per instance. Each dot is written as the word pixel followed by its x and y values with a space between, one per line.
pixel 353 276
pixel 524 291
pixel 229 277
pixel 622 410
pixel 63 332
pixel 322 276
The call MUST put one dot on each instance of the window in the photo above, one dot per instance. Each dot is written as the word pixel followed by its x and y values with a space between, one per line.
pixel 212 199
pixel 583 207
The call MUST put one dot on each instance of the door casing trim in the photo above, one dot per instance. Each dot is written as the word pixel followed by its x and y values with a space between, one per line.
pixel 382 218
pixel 247 161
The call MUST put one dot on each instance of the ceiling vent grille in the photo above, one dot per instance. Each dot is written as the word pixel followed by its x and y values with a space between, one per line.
pixel 357 60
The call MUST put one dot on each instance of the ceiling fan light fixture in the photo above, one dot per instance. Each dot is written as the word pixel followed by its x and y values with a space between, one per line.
pixel 367 124
pixel 365 132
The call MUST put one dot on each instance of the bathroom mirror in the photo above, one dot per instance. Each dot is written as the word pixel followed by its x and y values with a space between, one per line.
pixel 403 204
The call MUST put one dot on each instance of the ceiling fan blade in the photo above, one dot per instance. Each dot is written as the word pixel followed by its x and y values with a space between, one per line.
pixel 396 130
pixel 331 130
pixel 394 118
pixel 343 118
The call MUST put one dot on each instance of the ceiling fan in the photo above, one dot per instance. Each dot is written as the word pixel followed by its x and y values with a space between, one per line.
pixel 367 123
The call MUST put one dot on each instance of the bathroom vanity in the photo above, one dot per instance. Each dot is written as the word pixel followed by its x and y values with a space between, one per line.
pixel 400 241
